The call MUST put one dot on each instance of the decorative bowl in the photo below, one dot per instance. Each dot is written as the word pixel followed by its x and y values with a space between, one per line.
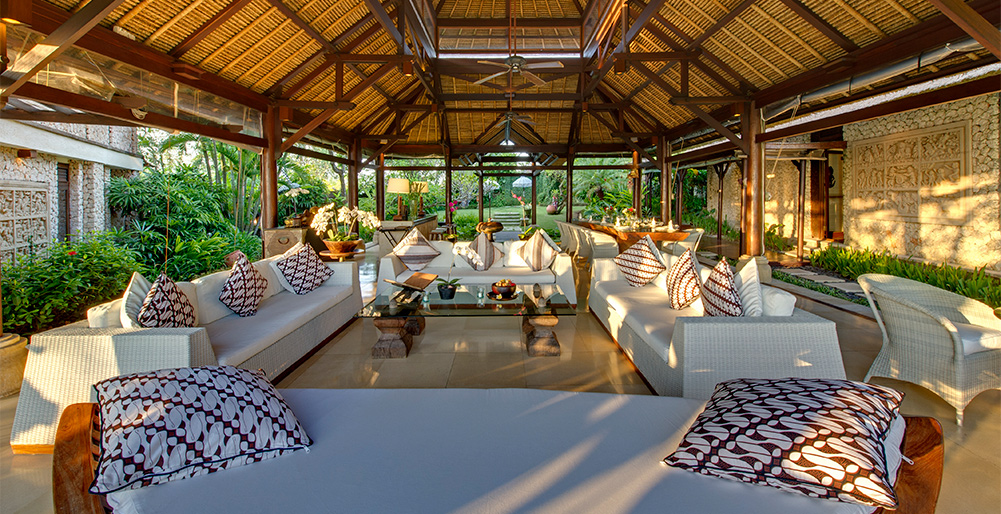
pixel 504 291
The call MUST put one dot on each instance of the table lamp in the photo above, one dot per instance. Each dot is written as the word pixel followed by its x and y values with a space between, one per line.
pixel 421 188
pixel 400 186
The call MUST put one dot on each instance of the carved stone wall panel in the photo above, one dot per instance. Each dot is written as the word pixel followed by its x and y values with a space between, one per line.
pixel 24 225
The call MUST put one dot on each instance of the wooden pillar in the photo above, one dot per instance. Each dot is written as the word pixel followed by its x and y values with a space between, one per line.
pixel 569 199
pixel 535 201
pixel 801 208
pixel 637 185
pixel 269 168
pixel 753 217
pixel 380 188
pixel 448 185
pixel 721 170
pixel 479 196
pixel 679 179
pixel 354 153
pixel 663 151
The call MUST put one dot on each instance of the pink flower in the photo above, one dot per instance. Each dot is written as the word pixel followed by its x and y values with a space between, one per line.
pixel 71 252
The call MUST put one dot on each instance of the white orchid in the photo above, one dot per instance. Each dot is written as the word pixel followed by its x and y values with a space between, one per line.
pixel 340 224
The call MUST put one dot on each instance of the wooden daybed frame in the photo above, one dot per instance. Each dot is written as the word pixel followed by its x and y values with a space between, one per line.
pixel 74 461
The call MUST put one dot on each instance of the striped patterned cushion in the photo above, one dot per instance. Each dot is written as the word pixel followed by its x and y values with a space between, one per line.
pixel 303 269
pixel 640 263
pixel 415 251
pixel 166 306
pixel 719 294
pixel 244 289
pixel 539 251
pixel 683 281
pixel 481 253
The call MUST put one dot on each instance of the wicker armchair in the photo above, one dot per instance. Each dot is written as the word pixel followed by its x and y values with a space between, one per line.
pixel 921 344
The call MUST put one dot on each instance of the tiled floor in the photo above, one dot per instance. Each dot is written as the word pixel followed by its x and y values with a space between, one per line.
pixel 487 353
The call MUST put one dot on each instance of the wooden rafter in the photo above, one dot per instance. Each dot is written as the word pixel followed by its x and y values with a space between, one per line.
pixel 386 21
pixel 972 23
pixel 615 133
pixel 302 24
pixel 818 23
pixel 716 27
pixel 207 28
pixel 167 25
pixel 307 128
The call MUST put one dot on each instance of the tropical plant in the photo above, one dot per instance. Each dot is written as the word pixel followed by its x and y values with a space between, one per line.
pixel 448 282
pixel 341 224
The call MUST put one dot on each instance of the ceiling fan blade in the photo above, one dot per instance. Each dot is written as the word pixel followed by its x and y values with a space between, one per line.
pixel 495 75
pixel 494 63
pixel 500 123
pixel 533 78
pixel 537 65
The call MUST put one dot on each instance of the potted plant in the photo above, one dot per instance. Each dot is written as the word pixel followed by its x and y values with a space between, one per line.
pixel 446 288
pixel 339 226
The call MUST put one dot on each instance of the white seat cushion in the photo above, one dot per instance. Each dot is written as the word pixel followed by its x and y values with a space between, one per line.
pixel 646 310
pixel 978 339
pixel 776 302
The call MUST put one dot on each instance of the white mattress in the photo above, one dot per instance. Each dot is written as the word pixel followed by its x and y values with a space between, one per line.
pixel 468 451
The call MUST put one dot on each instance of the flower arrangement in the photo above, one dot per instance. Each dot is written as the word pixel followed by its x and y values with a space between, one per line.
pixel 453 206
pixel 341 224
pixel 629 212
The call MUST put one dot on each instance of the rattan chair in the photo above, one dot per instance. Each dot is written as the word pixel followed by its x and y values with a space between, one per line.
pixel 921 343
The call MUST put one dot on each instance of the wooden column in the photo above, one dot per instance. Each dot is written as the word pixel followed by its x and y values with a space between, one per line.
pixel 479 196
pixel 354 153
pixel 535 201
pixel 753 217
pixel 663 150
pixel 720 170
pixel 801 207
pixel 679 179
pixel 637 185
pixel 448 185
pixel 269 168
pixel 569 199
pixel 380 188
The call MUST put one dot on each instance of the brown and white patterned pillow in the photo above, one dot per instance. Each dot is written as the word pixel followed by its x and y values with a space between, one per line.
pixel 415 251
pixel 481 253
pixel 166 306
pixel 719 294
pixel 244 289
pixel 539 251
pixel 172 424
pixel 683 285
pixel 640 263
pixel 822 438
pixel 303 269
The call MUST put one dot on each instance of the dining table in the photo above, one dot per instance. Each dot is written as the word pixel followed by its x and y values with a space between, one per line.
pixel 626 236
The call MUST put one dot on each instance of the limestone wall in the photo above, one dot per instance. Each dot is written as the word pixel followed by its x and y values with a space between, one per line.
pixel 28 209
pixel 925 184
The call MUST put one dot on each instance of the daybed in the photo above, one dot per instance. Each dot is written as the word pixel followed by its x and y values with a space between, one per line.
pixel 65 362
pixel 449 264
pixel 471 451
pixel 675 350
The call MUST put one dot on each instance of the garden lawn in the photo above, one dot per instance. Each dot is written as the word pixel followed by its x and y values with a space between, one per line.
pixel 546 221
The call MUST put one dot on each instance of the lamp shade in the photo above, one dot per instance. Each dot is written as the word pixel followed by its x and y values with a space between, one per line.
pixel 421 187
pixel 398 185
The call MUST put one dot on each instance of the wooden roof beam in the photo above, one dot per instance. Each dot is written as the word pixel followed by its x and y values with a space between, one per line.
pixel 502 23
pixel 818 23
pixel 629 142
pixel 503 97
pixel 59 117
pixel 727 18
pixel 302 24
pixel 57 42
pixel 306 129
pixel 207 28
pixel 972 23
pixel 313 104
pixel 386 21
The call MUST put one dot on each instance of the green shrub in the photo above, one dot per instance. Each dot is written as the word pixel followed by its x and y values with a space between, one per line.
pixel 57 286
pixel 851 263
pixel 465 226
pixel 189 257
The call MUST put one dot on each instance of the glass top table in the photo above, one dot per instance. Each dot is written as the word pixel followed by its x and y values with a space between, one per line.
pixel 399 316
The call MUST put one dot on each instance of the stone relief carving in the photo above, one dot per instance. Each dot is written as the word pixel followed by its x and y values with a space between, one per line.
pixel 920 175
pixel 23 219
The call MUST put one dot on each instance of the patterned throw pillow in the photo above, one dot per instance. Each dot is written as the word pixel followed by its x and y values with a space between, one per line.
pixel 719 294
pixel 640 263
pixel 304 270
pixel 415 251
pixel 166 306
pixel 171 424
pixel 244 289
pixel 683 281
pixel 539 251
pixel 821 438
pixel 481 253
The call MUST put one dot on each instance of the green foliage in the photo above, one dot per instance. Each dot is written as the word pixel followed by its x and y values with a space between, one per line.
pixel 465 226
pixel 820 288
pixel 851 263
pixel 57 286
pixel 774 240
pixel 452 282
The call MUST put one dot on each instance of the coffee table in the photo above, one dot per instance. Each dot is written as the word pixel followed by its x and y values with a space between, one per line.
pixel 398 319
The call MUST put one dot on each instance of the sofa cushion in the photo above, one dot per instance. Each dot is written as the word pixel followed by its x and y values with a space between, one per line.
pixel 244 288
pixel 105 315
pixel 235 339
pixel 512 254
pixel 749 288
pixel 208 289
pixel 977 339
pixel 303 269
pixel 640 263
pixel 445 257
pixel 539 251
pixel 415 251
pixel 523 275
pixel 683 284
pixel 166 306
pixel 645 310
pixel 264 267
pixel 719 295
pixel 132 300
pixel 776 302
pixel 480 254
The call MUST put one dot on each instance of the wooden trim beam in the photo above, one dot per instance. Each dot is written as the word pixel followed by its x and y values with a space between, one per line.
pixel 821 25
pixel 57 42
pixel 306 129
pixel 207 28
pixel 58 117
pixel 972 23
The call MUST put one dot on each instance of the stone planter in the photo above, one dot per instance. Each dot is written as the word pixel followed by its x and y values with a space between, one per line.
pixel 13 356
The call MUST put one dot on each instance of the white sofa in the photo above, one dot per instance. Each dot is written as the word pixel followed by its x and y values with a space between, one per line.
pixel 512 267
pixel 65 362
pixel 682 353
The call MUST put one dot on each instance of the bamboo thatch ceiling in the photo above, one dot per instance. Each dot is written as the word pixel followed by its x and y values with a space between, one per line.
pixel 730 50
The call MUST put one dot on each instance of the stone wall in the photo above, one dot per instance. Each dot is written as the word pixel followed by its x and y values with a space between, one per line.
pixel 925 184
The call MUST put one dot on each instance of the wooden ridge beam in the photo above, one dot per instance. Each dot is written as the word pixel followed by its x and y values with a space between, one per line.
pixel 822 26
pixel 210 26
pixel 386 22
pixel 972 23
pixel 57 42
pixel 970 89
pixel 306 129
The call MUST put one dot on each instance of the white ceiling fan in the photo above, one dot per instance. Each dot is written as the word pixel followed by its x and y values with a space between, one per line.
pixel 510 116
pixel 514 62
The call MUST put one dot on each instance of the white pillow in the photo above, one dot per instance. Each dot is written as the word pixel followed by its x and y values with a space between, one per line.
pixel 512 254
pixel 776 302
pixel 273 262
pixel 106 315
pixel 207 303
pixel 132 300
pixel 265 269
pixel 748 285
